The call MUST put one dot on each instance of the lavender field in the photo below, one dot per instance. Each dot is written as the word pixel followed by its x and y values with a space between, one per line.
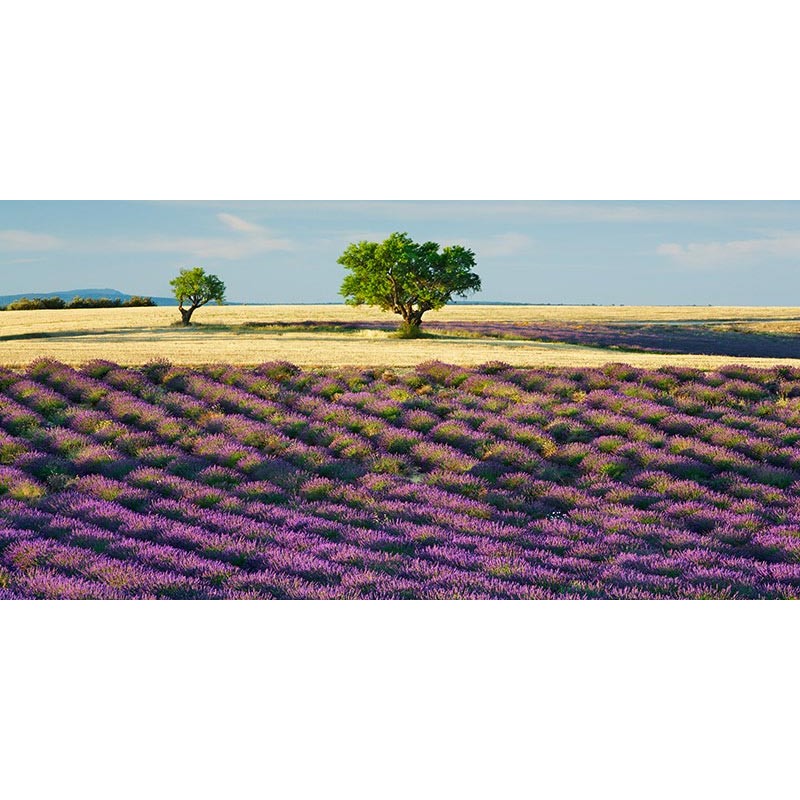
pixel 436 482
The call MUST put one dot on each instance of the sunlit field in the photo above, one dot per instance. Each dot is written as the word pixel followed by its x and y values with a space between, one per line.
pixel 241 335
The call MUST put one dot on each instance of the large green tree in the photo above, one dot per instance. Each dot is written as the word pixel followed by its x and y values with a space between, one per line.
pixel 407 278
pixel 194 288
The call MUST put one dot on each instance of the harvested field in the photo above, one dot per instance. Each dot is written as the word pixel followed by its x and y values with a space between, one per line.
pixel 241 334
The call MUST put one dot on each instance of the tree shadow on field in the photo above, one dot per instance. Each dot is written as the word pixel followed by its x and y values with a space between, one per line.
pixel 15 337
pixel 654 338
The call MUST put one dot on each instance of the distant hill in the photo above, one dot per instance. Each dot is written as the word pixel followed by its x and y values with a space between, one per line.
pixel 71 294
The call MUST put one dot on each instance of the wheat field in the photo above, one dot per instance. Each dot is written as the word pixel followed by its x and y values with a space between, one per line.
pixel 132 336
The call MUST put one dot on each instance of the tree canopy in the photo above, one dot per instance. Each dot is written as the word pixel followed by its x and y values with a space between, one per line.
pixel 195 287
pixel 405 277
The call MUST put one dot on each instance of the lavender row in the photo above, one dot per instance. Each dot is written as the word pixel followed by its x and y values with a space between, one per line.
pixel 438 482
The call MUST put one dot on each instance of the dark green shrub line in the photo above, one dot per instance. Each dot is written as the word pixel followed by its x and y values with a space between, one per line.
pixel 55 303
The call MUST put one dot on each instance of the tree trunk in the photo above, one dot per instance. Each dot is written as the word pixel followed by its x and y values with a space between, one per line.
pixel 412 321
pixel 186 314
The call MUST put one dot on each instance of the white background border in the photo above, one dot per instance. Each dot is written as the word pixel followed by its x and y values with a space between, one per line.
pixel 433 100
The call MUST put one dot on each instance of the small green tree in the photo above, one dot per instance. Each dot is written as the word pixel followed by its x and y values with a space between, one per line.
pixel 407 278
pixel 194 287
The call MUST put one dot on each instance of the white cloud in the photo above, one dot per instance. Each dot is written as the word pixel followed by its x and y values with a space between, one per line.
pixel 26 240
pixel 499 245
pixel 242 239
pixel 229 249
pixel 247 239
pixel 701 254
pixel 238 224
pixel 609 212
pixel 502 244
pixel 515 210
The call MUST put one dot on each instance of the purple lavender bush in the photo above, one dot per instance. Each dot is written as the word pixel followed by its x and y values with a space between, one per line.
pixel 441 482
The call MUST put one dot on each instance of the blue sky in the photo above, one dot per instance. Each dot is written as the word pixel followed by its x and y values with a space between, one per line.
pixel 673 252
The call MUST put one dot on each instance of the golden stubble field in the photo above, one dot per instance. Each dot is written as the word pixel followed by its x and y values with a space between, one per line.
pixel 132 336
